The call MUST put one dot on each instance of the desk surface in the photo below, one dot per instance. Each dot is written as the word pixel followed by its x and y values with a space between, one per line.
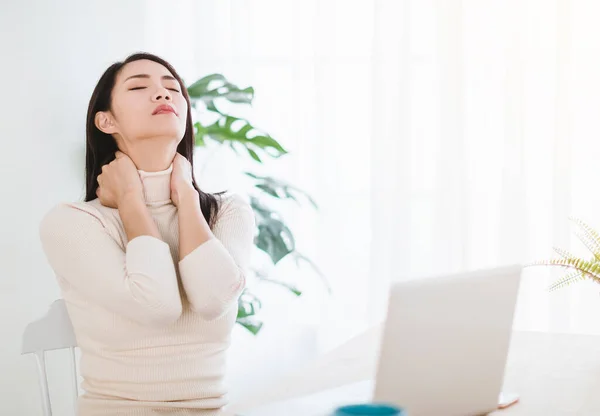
pixel 554 374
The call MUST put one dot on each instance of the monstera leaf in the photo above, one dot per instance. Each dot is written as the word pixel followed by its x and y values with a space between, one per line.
pixel 280 189
pixel 236 132
pixel 274 237
pixel 216 86
pixel 248 307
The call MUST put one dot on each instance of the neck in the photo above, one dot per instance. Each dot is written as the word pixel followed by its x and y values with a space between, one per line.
pixel 157 186
pixel 151 155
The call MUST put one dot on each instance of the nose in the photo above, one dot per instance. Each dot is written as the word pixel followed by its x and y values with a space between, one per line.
pixel 162 94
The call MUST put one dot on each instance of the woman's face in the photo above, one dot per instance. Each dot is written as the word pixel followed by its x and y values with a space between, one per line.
pixel 146 103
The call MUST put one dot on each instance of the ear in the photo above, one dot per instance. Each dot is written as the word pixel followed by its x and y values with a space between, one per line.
pixel 104 122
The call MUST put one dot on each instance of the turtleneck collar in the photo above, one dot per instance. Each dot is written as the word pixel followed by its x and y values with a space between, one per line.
pixel 157 186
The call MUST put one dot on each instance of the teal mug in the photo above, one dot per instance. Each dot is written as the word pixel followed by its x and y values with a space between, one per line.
pixel 370 409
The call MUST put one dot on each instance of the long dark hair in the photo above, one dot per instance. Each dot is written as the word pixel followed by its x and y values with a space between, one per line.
pixel 101 147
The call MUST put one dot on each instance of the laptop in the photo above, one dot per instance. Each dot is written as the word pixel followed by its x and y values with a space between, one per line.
pixel 446 341
pixel 443 350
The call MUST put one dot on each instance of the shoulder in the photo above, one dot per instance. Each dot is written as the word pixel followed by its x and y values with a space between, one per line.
pixel 73 211
pixel 229 201
pixel 70 217
pixel 234 206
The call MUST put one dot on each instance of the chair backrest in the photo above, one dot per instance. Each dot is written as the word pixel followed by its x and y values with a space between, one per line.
pixel 52 332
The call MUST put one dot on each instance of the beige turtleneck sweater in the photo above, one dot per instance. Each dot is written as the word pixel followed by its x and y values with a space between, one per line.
pixel 153 331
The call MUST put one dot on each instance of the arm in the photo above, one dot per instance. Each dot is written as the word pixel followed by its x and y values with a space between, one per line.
pixel 139 283
pixel 213 266
pixel 193 229
pixel 136 218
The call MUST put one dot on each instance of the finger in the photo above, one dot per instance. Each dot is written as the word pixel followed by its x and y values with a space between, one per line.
pixel 99 179
pixel 119 154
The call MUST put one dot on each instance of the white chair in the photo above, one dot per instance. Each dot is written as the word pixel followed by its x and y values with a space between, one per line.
pixel 52 332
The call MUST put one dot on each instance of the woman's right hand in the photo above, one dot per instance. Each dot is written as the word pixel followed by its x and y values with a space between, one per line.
pixel 119 180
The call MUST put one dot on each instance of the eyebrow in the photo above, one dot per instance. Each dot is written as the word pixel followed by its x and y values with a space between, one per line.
pixel 169 77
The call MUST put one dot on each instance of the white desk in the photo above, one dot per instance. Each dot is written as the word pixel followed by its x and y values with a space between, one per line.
pixel 554 374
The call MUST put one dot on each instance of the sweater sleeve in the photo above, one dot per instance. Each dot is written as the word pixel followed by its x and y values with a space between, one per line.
pixel 214 274
pixel 139 283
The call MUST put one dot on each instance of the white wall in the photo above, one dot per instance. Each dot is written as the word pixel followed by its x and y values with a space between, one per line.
pixel 52 55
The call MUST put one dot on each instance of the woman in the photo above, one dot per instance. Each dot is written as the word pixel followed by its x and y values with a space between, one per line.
pixel 150 266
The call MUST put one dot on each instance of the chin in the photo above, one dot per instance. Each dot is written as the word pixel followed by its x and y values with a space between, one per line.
pixel 174 132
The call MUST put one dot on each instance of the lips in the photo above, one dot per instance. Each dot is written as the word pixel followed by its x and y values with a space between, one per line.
pixel 164 108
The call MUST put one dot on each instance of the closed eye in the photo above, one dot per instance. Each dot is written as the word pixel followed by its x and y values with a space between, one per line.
pixel 141 88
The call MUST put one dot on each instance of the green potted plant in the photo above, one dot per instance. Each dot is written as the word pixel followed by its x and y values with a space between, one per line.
pixel 579 269
pixel 214 100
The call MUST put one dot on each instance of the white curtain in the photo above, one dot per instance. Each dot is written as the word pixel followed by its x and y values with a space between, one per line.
pixel 436 136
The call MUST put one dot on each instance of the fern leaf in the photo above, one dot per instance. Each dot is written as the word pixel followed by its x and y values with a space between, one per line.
pixel 588 230
pixel 591 237
pixel 563 253
pixel 591 269
pixel 590 244
pixel 566 280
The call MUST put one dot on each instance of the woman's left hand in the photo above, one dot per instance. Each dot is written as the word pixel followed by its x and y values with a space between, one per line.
pixel 181 180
